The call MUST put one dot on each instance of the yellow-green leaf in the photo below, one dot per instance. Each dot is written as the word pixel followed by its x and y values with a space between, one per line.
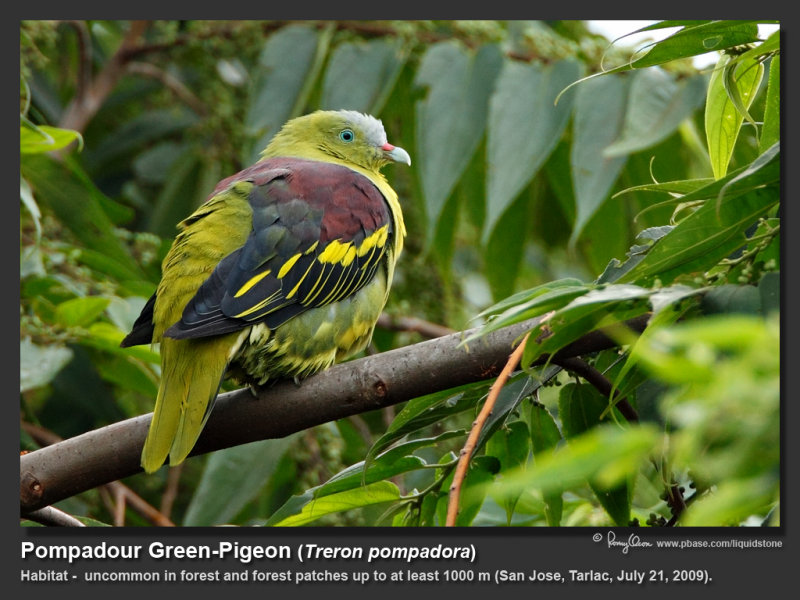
pixel 374 493
pixel 730 94
pixel 43 138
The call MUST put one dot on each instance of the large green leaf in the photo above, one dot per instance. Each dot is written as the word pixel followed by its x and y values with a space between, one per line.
pixel 287 69
pixel 658 102
pixel 38 364
pixel 608 454
pixel 730 93
pixel 599 118
pixel 135 134
pixel 510 445
pixel 232 477
pixel 81 312
pixel 505 248
pixel 704 238
pixel 580 408
pixel 374 493
pixel 771 130
pixel 530 303
pixel 191 179
pixel 35 140
pixel 694 40
pixel 451 118
pixel 65 189
pixel 360 75
pixel 524 127
pixel 600 307
pixel 545 436
pixel 426 410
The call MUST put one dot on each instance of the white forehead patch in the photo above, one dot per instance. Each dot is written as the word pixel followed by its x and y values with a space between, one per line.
pixel 371 127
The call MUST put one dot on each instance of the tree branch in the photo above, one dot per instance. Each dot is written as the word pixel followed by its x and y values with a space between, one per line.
pixel 81 463
pixel 601 384
pixel 90 97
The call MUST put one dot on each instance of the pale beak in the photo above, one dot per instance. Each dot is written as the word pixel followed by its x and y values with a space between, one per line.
pixel 396 154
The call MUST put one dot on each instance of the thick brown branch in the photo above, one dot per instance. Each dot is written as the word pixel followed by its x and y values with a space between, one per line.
pixel 97 457
pixel 116 489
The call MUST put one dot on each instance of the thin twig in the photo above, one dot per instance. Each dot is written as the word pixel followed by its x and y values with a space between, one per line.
pixel 477 426
pixel 84 78
pixel 171 490
pixel 83 107
pixel 119 502
pixel 53 517
pixel 170 82
pixel 413 324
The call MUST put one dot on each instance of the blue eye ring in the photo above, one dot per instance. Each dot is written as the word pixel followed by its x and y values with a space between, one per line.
pixel 347 135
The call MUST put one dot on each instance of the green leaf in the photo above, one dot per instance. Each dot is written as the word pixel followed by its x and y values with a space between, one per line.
pixel 81 312
pixel 395 461
pixel 704 238
pixel 696 38
pixel 126 373
pixel 724 113
pixel 481 472
pixel 524 127
pixel 426 410
pixel 231 478
pixel 545 437
pixel 580 408
pixel 505 248
pixel 770 289
pixel 451 118
pixel 657 103
pixel 771 129
pixel 530 303
pixel 510 445
pixel 374 493
pixel 43 138
pixel 606 454
pixel 360 75
pixel 615 269
pixel 733 502
pixel 27 199
pixel 517 388
pixel 107 337
pixel 136 134
pixel 684 186
pixel 730 298
pixel 699 39
pixel 65 189
pixel 599 117
pixel 190 182
pixel 600 307
pixel 38 365
pixel 287 69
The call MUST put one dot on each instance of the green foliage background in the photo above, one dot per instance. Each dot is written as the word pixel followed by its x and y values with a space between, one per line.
pixel 552 174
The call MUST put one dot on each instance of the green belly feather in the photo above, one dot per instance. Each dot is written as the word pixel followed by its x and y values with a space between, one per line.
pixel 311 341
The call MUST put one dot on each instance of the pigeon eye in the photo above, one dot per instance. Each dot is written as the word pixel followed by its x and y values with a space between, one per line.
pixel 347 135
